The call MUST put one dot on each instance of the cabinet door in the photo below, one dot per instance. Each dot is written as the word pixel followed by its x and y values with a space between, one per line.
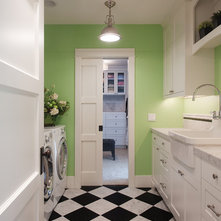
pixel 179 51
pixel 177 195
pixel 110 83
pixel 168 59
pixel 192 202
pixel 120 82
pixel 156 164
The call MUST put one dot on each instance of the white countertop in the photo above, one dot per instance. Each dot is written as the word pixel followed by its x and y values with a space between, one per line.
pixel 211 154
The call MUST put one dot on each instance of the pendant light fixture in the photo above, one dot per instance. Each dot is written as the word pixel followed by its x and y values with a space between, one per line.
pixel 109 33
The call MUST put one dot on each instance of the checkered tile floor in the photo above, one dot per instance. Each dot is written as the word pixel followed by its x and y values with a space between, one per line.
pixel 115 203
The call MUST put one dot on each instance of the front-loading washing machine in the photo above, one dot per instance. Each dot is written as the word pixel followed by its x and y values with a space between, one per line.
pixel 48 171
pixel 60 164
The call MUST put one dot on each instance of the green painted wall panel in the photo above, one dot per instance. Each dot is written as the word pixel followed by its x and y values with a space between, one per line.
pixel 60 43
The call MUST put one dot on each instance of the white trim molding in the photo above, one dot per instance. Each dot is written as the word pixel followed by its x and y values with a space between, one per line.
pixel 72 182
pixel 104 53
pixel 143 181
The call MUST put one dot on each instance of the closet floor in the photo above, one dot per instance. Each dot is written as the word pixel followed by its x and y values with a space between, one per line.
pixel 111 202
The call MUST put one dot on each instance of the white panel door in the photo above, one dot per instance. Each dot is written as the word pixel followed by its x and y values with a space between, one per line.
pixel 91 113
pixel 21 102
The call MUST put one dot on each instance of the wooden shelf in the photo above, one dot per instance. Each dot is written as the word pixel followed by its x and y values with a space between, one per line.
pixel 211 40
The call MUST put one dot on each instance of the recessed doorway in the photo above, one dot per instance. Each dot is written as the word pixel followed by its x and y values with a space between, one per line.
pixel 88 148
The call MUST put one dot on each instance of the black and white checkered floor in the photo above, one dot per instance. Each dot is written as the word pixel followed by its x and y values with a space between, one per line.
pixel 115 203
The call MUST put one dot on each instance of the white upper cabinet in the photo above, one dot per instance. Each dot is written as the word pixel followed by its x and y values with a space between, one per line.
pixel 114 82
pixel 183 71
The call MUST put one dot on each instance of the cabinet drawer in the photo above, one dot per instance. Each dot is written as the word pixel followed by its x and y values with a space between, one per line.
pixel 115 115
pixel 211 174
pixel 115 131
pixel 192 175
pixel 155 139
pixel 164 164
pixel 164 188
pixel 165 145
pixel 211 199
pixel 115 123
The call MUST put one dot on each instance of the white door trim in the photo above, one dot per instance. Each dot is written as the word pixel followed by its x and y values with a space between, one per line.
pixel 107 53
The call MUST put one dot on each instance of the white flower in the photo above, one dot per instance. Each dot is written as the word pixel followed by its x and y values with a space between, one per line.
pixel 54 111
pixel 54 96
pixel 63 103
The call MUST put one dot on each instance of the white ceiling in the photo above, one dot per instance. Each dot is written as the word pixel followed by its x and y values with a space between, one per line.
pixel 94 11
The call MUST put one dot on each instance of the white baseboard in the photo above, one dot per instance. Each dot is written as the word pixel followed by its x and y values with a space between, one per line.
pixel 71 182
pixel 140 181
pixel 143 181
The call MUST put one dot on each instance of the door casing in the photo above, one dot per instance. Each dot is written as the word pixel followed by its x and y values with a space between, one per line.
pixel 128 53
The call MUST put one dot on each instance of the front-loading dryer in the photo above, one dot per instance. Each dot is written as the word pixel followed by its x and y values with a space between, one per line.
pixel 60 165
pixel 48 171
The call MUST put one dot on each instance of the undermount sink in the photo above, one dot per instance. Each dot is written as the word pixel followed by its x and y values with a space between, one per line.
pixel 184 140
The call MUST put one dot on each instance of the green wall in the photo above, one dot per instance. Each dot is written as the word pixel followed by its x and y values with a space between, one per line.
pixel 60 44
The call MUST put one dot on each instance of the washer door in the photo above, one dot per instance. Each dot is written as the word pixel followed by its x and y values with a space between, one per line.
pixel 62 158
pixel 48 173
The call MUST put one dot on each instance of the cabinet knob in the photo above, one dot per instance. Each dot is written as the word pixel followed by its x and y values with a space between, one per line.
pixel 213 208
pixel 163 185
pixel 171 91
pixel 154 138
pixel 157 148
pixel 163 143
pixel 180 172
pixel 215 176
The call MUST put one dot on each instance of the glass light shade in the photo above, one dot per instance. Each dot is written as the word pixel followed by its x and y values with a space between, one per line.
pixel 109 34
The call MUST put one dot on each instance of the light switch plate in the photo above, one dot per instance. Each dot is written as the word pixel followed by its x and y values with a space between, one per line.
pixel 151 117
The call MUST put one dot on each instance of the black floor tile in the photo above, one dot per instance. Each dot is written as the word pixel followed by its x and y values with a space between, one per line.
pixel 82 214
pixel 117 198
pixel 89 188
pixel 85 199
pixel 149 198
pixel 54 215
pixel 156 214
pixel 62 199
pixel 119 214
pixel 116 187
pixel 144 188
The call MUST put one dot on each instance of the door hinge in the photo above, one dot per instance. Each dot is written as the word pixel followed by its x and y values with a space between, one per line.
pixel 100 127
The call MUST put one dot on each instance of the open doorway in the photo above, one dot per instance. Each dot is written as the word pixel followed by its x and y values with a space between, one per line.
pixel 115 121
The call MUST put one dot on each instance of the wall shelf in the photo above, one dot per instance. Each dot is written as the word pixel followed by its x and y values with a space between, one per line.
pixel 211 40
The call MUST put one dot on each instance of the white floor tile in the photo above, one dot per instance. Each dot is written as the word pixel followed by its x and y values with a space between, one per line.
pixel 61 219
pixel 66 207
pixel 136 206
pixel 101 206
pixel 102 192
pixel 100 218
pixel 139 218
pixel 132 192
pixel 161 205
pixel 71 193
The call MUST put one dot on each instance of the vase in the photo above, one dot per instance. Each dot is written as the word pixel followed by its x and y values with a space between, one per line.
pixel 49 121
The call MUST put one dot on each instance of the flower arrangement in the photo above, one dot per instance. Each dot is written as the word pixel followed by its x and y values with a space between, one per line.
pixel 53 107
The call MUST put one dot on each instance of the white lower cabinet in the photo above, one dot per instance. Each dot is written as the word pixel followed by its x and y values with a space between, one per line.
pixel 178 184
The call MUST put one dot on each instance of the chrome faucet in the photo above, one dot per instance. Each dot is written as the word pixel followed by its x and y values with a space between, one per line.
pixel 215 116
